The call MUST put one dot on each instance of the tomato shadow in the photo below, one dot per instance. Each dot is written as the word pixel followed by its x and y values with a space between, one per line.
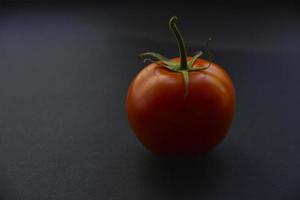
pixel 185 177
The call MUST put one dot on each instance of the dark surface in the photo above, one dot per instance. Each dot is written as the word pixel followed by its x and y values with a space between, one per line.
pixel 64 72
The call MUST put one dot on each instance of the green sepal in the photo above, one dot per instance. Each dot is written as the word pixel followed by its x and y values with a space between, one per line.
pixel 174 66
pixel 194 58
pixel 184 66
pixel 185 75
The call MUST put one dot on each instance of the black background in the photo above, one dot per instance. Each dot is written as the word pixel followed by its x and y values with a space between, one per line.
pixel 64 73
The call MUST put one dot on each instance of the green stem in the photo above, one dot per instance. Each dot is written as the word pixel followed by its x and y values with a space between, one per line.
pixel 181 46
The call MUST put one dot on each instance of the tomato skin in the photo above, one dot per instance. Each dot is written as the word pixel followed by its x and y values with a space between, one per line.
pixel 169 123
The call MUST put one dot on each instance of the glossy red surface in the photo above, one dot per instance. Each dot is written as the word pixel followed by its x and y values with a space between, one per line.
pixel 169 123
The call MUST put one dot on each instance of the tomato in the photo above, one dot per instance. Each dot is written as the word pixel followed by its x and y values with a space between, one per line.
pixel 177 115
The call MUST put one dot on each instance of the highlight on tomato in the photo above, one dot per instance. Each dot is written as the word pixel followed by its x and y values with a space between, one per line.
pixel 180 107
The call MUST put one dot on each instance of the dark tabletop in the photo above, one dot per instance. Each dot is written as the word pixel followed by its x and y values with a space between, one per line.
pixel 64 73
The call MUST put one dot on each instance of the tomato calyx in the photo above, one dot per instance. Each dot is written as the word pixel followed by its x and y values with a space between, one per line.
pixel 185 65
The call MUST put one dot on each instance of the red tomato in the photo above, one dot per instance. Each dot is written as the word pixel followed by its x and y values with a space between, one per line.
pixel 170 121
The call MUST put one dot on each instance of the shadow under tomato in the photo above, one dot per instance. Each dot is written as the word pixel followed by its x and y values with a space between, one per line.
pixel 185 177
